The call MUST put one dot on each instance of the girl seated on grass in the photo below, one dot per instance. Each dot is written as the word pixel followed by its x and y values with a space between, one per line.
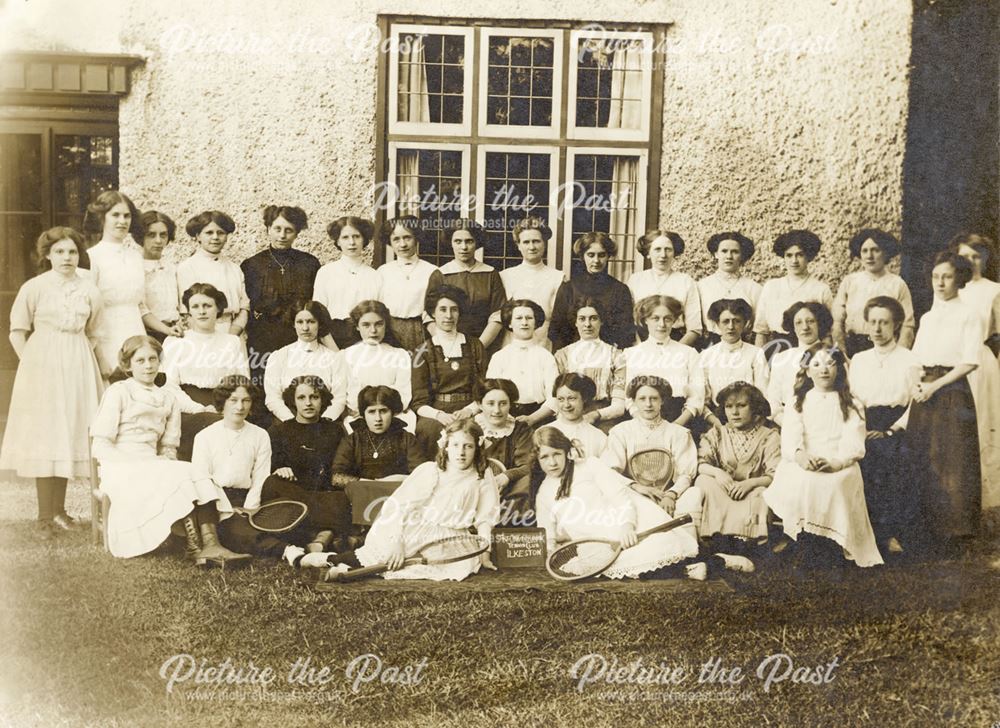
pixel 524 362
pixel 817 487
pixel 587 499
pixel 440 499
pixel 506 441
pixel 302 451
pixel 135 437
pixel 573 394
pixel 736 464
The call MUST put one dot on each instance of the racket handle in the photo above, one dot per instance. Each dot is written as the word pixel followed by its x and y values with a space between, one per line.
pixel 371 570
pixel 669 525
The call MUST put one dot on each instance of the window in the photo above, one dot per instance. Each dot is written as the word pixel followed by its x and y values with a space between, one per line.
pixel 499 122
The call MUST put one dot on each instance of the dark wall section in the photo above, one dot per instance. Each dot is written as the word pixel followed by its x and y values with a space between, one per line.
pixel 950 171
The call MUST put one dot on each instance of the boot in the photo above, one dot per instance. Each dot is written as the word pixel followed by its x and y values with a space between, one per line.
pixel 320 541
pixel 192 541
pixel 212 550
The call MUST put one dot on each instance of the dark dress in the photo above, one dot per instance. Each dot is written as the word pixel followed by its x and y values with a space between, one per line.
pixel 438 383
pixel 308 450
pixel 486 296
pixel 612 294
pixel 397 450
pixel 272 294
pixel 514 451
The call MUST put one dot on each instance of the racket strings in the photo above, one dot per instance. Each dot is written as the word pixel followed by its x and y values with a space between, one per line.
pixel 585 557
pixel 652 467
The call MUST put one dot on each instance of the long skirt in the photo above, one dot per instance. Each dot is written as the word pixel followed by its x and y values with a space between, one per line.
pixel 942 450
pixel 888 492
pixel 409 332
pixel 745 518
pixel 984 381
pixel 193 423
pixel 328 509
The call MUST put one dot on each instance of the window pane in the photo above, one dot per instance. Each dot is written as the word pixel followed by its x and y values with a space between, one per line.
pixel 606 188
pixel 430 187
pixel 516 185
pixel 86 166
pixel 431 78
pixel 524 97
pixel 610 73
pixel 21 172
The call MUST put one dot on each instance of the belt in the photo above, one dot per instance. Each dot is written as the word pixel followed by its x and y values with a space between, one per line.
pixel 453 397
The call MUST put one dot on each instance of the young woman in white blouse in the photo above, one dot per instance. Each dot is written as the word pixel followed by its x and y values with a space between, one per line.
pixel 117 269
pixel 211 229
pixel 344 283
pixel 403 280
pixel 307 356
pixel 660 356
pixel 883 380
pixel 731 251
pixel 163 297
pixel 533 279
pixel 195 363
pixel 573 393
pixel 662 280
pixel 810 322
pixel 875 248
pixel 796 248
pixel 526 363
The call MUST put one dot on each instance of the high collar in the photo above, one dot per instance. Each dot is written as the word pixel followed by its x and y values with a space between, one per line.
pixel 201 252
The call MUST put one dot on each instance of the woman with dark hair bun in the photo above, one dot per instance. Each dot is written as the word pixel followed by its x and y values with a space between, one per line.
pixel 163 298
pixel 481 283
pixel 796 248
pixel 982 294
pixel 810 322
pixel 594 250
pixel 403 280
pixel 662 280
pixel 58 385
pixel 875 248
pixel 211 229
pixel 276 278
pixel 532 278
pixel 345 282
pixel 730 250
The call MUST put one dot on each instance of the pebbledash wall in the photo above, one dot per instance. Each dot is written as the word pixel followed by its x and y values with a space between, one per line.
pixel 777 114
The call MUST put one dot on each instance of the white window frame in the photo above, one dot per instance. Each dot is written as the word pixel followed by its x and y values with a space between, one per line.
pixel 601 133
pixel 640 208
pixel 430 128
pixel 513 131
pixel 416 145
pixel 481 202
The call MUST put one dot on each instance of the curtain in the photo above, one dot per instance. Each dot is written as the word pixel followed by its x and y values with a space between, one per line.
pixel 413 97
pixel 408 183
pixel 624 214
pixel 626 88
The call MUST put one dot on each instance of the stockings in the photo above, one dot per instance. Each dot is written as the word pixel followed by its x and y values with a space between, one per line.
pixel 51 497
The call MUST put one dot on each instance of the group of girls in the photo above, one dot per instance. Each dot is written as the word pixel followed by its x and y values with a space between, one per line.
pixel 371 374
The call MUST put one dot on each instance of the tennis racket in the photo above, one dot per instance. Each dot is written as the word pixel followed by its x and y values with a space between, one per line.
pixel 278 516
pixel 443 551
pixel 652 468
pixel 587 557
pixel 496 467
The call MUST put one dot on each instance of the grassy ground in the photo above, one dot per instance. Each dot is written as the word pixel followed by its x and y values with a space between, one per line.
pixel 85 637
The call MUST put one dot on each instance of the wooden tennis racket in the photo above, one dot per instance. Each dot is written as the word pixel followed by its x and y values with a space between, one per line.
pixel 588 557
pixel 443 551
pixel 652 468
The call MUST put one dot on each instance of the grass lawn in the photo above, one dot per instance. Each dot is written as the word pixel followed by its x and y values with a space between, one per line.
pixel 85 636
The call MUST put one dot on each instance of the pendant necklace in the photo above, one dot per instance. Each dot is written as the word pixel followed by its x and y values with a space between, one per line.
pixel 277 262
pixel 450 355
pixel 372 443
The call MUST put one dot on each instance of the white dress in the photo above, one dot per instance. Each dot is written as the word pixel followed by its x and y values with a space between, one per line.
pixel 721 285
pixel 599 505
pixel 723 364
pixel 431 505
pixel 677 285
pixel 673 361
pixel 300 359
pixel 785 367
pixel 779 294
pixel 538 283
pixel 857 288
pixel 342 284
pixel 119 273
pixel 831 505
pixel 136 433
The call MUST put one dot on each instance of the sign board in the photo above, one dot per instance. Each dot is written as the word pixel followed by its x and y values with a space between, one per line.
pixel 519 548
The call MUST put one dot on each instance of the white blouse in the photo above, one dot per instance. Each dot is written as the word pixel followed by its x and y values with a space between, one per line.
pixel 779 294
pixel 202 267
pixel 163 297
pixel 785 366
pixel 634 436
pixel 375 364
pixel 950 334
pixel 721 285
pixel 860 287
pixel 342 284
pixel 722 364
pixel 888 379
pixel 233 458
pixel 531 367
pixel 118 272
pixel 402 286
pixel 821 430
pixel 588 441
pixel 983 297
pixel 202 360
pixel 676 285
pixel 299 359
pixel 673 361
pixel 538 283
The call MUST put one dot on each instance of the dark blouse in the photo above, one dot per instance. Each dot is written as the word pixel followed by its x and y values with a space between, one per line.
pixel 307 449
pixel 433 375
pixel 486 295
pixel 612 294
pixel 272 321
pixel 398 452
pixel 514 451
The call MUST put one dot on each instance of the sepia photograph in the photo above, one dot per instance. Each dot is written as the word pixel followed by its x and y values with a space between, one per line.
pixel 515 363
